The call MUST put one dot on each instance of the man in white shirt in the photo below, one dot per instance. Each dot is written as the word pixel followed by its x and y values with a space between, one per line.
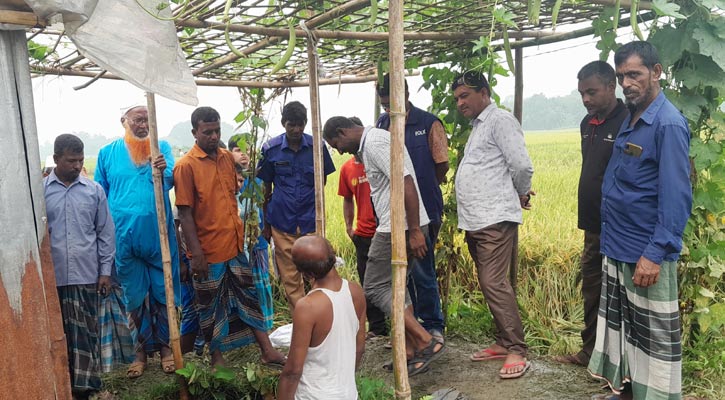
pixel 493 184
pixel 372 147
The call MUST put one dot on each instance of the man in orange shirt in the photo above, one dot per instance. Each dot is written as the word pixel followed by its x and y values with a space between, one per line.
pixel 226 297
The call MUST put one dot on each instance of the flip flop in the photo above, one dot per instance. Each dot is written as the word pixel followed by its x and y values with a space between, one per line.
pixel 525 364
pixel 488 355
pixel 425 357
pixel 168 365
pixel 136 369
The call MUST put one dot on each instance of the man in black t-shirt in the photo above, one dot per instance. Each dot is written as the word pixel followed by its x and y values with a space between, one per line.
pixel 599 128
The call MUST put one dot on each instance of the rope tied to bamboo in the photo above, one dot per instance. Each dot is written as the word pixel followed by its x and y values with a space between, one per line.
pixel 402 394
pixel 396 114
pixel 399 263
pixel 309 33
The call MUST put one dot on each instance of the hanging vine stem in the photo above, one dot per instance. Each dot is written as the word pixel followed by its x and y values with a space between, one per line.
pixel 162 6
pixel 227 39
pixel 615 17
pixel 633 19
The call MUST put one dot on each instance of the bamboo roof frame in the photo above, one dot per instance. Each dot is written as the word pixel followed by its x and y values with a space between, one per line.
pixel 350 43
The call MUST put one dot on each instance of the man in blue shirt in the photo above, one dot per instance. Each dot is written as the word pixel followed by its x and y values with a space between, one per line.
pixel 646 201
pixel 287 169
pixel 427 144
pixel 82 247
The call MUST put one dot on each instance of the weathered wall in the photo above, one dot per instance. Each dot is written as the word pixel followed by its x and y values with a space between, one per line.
pixel 34 362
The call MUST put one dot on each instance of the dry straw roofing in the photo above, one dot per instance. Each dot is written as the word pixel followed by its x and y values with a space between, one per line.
pixel 351 36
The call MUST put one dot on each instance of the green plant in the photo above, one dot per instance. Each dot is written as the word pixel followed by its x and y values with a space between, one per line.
pixel 207 384
pixel 373 389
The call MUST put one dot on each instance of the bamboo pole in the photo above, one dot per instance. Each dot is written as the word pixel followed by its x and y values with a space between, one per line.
pixel 519 84
pixel 365 36
pixel 165 253
pixel 39 69
pixel 317 142
pixel 21 18
pixel 397 208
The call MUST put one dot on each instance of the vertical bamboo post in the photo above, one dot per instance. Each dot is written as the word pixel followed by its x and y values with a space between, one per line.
pixel 317 141
pixel 519 84
pixel 165 253
pixel 397 207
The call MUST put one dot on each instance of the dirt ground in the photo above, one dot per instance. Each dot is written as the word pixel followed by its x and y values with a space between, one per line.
pixel 480 381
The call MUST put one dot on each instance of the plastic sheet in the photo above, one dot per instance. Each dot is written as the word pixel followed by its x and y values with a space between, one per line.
pixel 124 39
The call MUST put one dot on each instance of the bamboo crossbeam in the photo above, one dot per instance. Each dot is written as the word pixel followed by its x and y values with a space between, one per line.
pixel 365 36
pixel 397 207
pixel 626 4
pixel 174 337
pixel 327 16
pixel 23 18
pixel 221 82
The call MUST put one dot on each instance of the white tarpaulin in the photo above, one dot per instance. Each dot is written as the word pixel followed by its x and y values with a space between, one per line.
pixel 122 38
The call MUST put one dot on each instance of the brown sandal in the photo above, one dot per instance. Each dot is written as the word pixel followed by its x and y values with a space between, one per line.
pixel 136 369
pixel 569 359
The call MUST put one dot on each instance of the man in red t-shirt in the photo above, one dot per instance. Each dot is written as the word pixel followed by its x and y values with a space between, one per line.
pixel 354 185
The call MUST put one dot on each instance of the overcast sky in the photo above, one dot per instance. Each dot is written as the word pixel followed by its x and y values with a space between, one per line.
pixel 549 69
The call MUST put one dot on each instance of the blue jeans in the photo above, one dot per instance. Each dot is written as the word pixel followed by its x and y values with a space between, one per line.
pixel 423 285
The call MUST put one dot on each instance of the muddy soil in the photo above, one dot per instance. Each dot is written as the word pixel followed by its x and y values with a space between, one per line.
pixel 480 381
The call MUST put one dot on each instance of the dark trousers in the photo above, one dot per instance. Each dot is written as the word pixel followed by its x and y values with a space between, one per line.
pixel 591 269
pixel 376 317
pixel 494 250
pixel 423 286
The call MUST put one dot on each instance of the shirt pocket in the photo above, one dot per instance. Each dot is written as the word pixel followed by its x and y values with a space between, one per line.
pixel 632 170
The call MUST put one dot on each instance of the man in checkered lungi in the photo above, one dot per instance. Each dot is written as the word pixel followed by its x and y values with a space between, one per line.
pixel 646 201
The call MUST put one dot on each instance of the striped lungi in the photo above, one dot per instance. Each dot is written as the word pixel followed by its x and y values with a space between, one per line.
pixel 116 339
pixel 79 308
pixel 638 333
pixel 260 273
pixel 228 305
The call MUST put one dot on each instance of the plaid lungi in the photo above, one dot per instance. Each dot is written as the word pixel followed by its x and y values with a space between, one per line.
pixel 228 305
pixel 638 333
pixel 79 308
pixel 116 339
pixel 260 273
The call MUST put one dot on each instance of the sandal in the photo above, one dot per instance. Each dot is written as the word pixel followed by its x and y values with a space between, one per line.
pixel 513 375
pixel 136 369
pixel 569 359
pixel 487 355
pixel 423 358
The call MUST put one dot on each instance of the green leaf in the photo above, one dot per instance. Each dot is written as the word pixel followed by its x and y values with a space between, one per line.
pixel 701 71
pixel 704 319
pixel 244 114
pixel 671 43
pixel 717 269
pixel 224 373
pixel 259 122
pixel 709 197
pixel 717 312
pixel 690 103
pixel 665 9
pixel 706 293
pixel 711 43
pixel 713 4
pixel 705 154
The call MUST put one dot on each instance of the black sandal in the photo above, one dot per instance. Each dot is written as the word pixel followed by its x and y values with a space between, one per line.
pixel 425 357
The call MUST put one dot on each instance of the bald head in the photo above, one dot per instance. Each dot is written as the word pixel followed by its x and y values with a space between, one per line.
pixel 313 256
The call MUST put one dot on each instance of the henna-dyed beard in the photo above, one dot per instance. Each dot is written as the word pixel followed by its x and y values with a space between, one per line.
pixel 139 149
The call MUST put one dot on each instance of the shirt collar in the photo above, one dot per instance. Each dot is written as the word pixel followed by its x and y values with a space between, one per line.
pixel 306 141
pixel 484 114
pixel 52 177
pixel 362 141
pixel 412 116
pixel 197 152
pixel 648 116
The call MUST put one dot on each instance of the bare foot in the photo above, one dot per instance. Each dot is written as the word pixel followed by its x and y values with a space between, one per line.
pixel 216 360
pixel 273 356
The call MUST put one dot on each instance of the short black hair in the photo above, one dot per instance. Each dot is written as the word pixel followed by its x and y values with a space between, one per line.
pixel 238 168
pixel 472 79
pixel 67 143
pixel 645 50
pixel 222 145
pixel 600 69
pixel 204 114
pixel 384 88
pixel 357 121
pixel 233 142
pixel 335 123
pixel 317 268
pixel 294 111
